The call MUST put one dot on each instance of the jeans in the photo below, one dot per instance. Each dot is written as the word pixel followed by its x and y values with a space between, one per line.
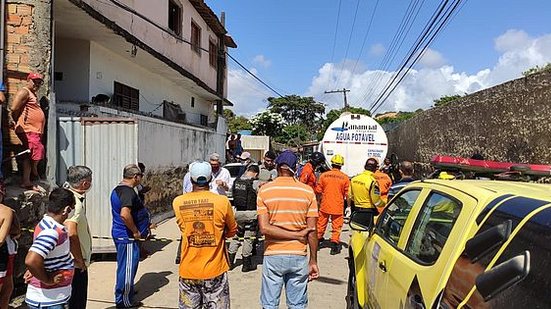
pixel 62 306
pixel 291 270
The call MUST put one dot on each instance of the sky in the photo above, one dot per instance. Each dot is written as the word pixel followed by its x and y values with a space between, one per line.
pixel 301 47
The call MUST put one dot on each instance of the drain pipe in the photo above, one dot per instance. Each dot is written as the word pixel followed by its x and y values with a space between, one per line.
pixel 2 38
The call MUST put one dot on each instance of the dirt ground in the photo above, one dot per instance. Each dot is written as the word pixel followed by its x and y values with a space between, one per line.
pixel 157 278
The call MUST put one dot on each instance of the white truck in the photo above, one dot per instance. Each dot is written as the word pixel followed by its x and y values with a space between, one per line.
pixel 356 138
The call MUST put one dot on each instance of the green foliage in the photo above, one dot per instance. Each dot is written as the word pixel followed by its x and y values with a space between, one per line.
pixel 293 133
pixel 537 69
pixel 298 110
pixel 446 99
pixel 267 123
pixel 401 116
pixel 236 123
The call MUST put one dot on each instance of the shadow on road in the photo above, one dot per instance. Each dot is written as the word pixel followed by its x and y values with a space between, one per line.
pixel 151 283
pixel 333 281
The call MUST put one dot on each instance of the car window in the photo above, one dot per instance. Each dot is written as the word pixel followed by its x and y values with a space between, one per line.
pixel 394 217
pixel 234 170
pixel 432 228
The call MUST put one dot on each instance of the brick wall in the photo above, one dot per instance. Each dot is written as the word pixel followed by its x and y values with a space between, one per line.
pixel 508 122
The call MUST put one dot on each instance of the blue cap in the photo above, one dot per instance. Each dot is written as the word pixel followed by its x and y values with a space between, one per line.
pixel 287 158
pixel 200 172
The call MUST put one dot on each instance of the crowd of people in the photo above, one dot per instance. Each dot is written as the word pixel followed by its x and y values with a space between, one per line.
pixel 276 200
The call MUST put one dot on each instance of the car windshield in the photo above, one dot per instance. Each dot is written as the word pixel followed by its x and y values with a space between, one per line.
pixel 234 170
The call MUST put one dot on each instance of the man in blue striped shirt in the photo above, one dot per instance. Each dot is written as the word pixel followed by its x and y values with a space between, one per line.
pixel 49 259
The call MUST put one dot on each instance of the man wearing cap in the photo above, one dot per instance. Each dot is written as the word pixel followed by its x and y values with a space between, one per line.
pixel 333 186
pixel 287 216
pixel 246 161
pixel 130 223
pixel 205 220
pixel 221 177
pixel 29 127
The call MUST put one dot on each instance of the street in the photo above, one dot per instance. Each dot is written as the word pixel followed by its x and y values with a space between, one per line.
pixel 157 278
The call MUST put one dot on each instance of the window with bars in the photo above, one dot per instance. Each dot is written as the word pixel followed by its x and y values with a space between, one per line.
pixel 126 97
pixel 175 17
pixel 213 52
pixel 195 37
pixel 204 120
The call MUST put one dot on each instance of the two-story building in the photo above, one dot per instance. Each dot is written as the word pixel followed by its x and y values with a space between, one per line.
pixel 162 62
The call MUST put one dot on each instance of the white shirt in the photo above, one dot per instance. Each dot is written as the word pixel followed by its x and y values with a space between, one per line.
pixel 224 175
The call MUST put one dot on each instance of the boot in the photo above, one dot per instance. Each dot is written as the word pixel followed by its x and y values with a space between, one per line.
pixel 248 265
pixel 335 248
pixel 232 260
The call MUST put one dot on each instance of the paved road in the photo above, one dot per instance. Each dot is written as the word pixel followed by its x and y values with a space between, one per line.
pixel 157 279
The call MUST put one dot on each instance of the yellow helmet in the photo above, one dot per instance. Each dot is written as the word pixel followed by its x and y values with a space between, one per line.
pixel 445 176
pixel 337 160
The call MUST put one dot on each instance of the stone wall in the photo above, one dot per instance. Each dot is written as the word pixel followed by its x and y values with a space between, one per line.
pixel 508 122
pixel 166 184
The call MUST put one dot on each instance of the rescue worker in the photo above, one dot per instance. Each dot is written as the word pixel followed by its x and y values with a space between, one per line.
pixel 244 200
pixel 364 190
pixel 308 173
pixel 333 187
pixel 385 182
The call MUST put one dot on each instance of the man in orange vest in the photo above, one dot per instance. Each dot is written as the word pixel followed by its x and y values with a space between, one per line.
pixel 333 186
pixel 308 175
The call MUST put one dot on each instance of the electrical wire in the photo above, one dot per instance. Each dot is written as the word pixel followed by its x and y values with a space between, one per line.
pixel 365 37
pixel 441 23
pixel 324 95
pixel 348 44
pixel 134 12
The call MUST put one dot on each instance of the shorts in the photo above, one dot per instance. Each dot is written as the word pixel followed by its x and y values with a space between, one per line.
pixel 7 262
pixel 33 142
pixel 208 294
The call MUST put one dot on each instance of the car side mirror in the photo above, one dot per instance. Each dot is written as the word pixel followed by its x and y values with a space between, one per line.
pixel 362 220
pixel 485 242
pixel 503 276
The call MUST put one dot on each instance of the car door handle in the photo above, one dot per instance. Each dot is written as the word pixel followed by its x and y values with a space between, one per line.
pixel 382 266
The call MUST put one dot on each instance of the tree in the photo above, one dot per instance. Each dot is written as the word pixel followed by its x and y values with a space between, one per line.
pixel 293 132
pixel 236 123
pixel 537 69
pixel 334 114
pixel 446 99
pixel 299 110
pixel 267 123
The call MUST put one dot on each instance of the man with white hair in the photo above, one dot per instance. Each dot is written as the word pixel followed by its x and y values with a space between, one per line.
pixel 221 178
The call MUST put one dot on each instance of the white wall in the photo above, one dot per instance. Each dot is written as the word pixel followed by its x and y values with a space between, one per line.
pixel 107 67
pixel 168 45
pixel 72 58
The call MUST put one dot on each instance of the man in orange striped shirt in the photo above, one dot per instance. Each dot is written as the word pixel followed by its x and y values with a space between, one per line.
pixel 287 216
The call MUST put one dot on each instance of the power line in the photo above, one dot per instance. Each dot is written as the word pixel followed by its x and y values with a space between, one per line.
pixel 134 12
pixel 365 37
pixel 443 20
pixel 349 41
pixel 334 43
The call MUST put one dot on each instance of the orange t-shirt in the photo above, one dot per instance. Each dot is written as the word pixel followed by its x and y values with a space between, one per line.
pixel 333 187
pixel 288 203
pixel 308 176
pixel 32 117
pixel 205 219
pixel 384 182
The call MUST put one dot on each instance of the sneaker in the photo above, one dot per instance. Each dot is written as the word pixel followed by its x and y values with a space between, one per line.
pixel 335 249
pixel 134 305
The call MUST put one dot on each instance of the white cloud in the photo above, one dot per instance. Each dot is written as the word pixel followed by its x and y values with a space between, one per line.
pixel 262 61
pixel 432 59
pixel 435 78
pixel 247 95
pixel 377 50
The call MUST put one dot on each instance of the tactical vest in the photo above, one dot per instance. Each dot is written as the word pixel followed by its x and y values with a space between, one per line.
pixel 244 195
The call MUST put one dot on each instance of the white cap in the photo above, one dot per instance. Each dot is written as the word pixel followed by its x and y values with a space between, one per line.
pixel 246 155
pixel 200 172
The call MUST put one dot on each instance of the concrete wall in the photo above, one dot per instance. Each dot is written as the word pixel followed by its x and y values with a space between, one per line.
pixel 508 122
pixel 72 59
pixel 167 44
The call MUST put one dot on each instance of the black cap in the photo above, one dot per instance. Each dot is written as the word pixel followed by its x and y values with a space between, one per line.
pixel 270 154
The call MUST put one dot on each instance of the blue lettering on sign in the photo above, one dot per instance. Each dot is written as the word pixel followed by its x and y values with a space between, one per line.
pixel 355 137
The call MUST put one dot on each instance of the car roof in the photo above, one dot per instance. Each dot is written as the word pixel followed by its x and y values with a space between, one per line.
pixel 481 189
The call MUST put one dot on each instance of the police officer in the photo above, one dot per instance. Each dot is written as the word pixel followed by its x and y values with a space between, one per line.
pixel 364 190
pixel 244 200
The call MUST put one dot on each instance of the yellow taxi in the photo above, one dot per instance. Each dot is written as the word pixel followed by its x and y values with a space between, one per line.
pixel 454 244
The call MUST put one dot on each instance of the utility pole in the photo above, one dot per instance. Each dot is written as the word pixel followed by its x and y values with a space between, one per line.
pixel 344 91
